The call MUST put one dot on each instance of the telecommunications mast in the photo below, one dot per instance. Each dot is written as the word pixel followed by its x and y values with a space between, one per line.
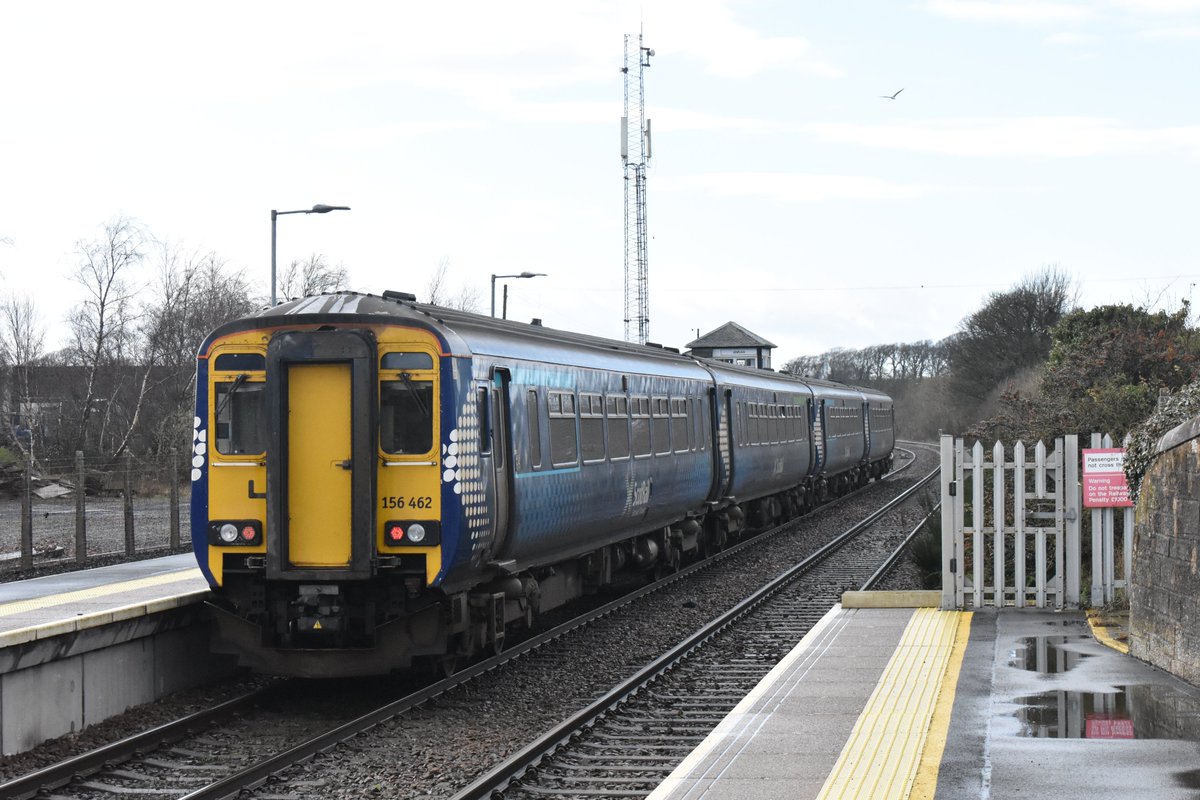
pixel 635 153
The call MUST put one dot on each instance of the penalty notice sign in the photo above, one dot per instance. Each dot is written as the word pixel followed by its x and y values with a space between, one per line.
pixel 1104 484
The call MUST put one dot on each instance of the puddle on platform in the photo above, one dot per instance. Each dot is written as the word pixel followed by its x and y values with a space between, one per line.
pixel 1045 654
pixel 1138 711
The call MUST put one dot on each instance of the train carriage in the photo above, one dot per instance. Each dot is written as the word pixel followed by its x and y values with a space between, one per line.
pixel 378 482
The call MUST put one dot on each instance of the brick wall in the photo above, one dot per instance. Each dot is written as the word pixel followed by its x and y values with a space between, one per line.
pixel 1164 602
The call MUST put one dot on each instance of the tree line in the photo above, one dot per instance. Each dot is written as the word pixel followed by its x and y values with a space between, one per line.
pixel 1030 364
pixel 124 379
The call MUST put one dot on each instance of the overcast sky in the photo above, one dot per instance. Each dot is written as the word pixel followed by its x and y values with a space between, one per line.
pixel 784 192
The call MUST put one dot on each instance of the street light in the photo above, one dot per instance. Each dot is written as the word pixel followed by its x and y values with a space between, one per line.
pixel 522 275
pixel 317 209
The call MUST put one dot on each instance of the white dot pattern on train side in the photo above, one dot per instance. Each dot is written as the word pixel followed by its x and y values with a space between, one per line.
pixel 199 448
pixel 461 469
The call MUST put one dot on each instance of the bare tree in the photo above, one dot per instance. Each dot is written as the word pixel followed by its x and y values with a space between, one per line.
pixel 102 326
pixel 193 294
pixel 312 276
pixel 22 337
pixel 440 294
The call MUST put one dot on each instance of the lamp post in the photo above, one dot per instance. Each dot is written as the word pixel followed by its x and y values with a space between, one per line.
pixel 522 275
pixel 317 209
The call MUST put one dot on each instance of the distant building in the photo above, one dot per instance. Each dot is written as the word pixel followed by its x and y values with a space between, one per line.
pixel 733 344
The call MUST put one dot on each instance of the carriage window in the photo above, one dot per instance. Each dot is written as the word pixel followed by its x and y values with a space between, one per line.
pixel 618 428
pixel 564 446
pixel 409 361
pixel 640 423
pixel 661 426
pixel 591 426
pixel 241 417
pixel 405 416
pixel 679 425
pixel 535 434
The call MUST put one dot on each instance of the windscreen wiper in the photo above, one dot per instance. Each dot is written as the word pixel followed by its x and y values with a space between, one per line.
pixel 233 387
pixel 408 384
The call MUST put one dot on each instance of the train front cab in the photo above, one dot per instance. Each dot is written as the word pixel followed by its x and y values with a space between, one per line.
pixel 324 494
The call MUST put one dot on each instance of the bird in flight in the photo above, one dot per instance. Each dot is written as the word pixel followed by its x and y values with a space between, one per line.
pixel 891 96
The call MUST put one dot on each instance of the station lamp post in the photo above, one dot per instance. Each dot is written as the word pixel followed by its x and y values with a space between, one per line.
pixel 317 209
pixel 522 275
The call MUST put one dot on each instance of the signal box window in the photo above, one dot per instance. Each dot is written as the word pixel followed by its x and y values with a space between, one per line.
pixel 241 417
pixel 405 415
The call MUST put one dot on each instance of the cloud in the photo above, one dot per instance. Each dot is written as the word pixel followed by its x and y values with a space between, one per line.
pixel 1017 12
pixel 710 31
pixel 1166 34
pixel 1071 39
pixel 1019 137
pixel 793 187
pixel 1158 7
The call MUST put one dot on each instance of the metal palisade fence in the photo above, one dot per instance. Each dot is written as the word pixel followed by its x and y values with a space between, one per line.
pixel 78 510
pixel 1013 531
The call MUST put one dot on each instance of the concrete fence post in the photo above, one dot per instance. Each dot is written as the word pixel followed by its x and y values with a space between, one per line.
pixel 173 476
pixel 27 516
pixel 130 545
pixel 80 509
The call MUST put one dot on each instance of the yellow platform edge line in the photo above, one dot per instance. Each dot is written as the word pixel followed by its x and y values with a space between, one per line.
pixel 925 783
pixel 1101 632
pixel 33 604
pixel 882 755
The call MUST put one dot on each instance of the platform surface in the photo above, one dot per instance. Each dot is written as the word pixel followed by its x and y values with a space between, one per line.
pixel 878 703
pixel 55 604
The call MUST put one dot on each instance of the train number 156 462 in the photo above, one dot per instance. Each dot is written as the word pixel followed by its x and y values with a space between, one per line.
pixel 390 501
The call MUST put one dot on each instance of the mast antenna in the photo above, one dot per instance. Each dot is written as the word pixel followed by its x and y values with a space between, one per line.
pixel 635 155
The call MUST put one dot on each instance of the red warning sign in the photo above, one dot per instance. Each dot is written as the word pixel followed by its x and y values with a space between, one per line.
pixel 1104 484
pixel 1106 726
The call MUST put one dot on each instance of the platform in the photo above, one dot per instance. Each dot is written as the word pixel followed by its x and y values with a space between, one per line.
pixel 51 605
pixel 98 642
pixel 894 703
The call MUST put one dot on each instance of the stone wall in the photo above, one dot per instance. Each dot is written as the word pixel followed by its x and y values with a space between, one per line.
pixel 1164 601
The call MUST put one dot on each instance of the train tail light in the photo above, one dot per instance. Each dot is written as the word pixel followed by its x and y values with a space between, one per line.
pixel 405 533
pixel 235 532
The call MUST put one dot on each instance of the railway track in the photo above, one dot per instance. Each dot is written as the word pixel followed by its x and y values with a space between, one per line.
pixel 449 731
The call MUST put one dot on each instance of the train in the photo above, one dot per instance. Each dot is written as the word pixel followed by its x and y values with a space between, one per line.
pixel 380 484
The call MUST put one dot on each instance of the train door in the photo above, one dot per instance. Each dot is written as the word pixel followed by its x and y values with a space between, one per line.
pixel 320 517
pixel 866 426
pixel 501 427
pixel 726 433
pixel 319 467
pixel 818 434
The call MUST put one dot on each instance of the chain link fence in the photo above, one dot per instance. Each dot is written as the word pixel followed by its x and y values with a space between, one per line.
pixel 81 510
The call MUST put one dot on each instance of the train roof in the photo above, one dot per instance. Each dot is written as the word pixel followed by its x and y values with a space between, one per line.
pixel 484 334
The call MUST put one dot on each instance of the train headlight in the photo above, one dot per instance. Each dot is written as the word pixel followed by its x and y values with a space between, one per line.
pixel 235 532
pixel 404 533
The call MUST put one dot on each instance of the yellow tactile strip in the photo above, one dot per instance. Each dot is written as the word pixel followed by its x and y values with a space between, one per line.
pixel 882 755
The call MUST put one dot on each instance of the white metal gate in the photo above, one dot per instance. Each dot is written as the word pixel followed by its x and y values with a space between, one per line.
pixel 1011 528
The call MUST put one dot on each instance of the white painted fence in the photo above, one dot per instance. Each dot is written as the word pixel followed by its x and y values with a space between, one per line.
pixel 1011 528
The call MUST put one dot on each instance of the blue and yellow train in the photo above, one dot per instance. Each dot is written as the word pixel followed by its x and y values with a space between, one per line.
pixel 378 483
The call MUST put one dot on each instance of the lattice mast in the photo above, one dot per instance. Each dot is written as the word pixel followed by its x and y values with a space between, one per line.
pixel 635 154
